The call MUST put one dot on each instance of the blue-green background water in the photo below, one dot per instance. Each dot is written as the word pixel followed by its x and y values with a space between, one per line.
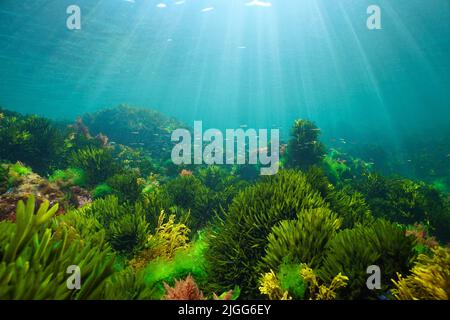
pixel 236 64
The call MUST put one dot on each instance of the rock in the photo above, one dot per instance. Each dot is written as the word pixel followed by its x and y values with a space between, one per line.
pixel 134 127
pixel 80 197
pixel 30 184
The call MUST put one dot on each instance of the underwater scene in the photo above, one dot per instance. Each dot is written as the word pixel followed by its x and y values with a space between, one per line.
pixel 225 150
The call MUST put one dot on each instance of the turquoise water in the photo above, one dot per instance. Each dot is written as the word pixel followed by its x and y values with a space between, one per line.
pixel 141 210
pixel 235 64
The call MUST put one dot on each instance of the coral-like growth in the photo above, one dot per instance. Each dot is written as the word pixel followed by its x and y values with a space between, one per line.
pixel 304 149
pixel 185 289
pixel 429 279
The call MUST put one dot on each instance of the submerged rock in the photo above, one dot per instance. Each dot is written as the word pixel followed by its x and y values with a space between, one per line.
pixel 28 184
pixel 135 127
pixel 80 196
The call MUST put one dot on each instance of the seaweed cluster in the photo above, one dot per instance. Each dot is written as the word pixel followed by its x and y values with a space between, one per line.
pixel 102 194
pixel 35 256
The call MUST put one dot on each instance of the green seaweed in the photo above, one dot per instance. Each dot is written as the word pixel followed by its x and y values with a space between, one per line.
pixel 125 225
pixel 186 262
pixel 69 177
pixel 128 284
pixel 302 240
pixel 352 251
pixel 4 177
pixel 34 257
pixel 126 186
pixel 102 190
pixel 407 202
pixel 190 194
pixel 32 140
pixel 240 237
pixel 304 148
pixel 97 163
pixel 291 281
pixel 350 205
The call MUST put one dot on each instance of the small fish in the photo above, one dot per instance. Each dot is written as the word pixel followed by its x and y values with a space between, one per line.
pixel 258 3
pixel 135 132
pixel 207 9
pixel 243 126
